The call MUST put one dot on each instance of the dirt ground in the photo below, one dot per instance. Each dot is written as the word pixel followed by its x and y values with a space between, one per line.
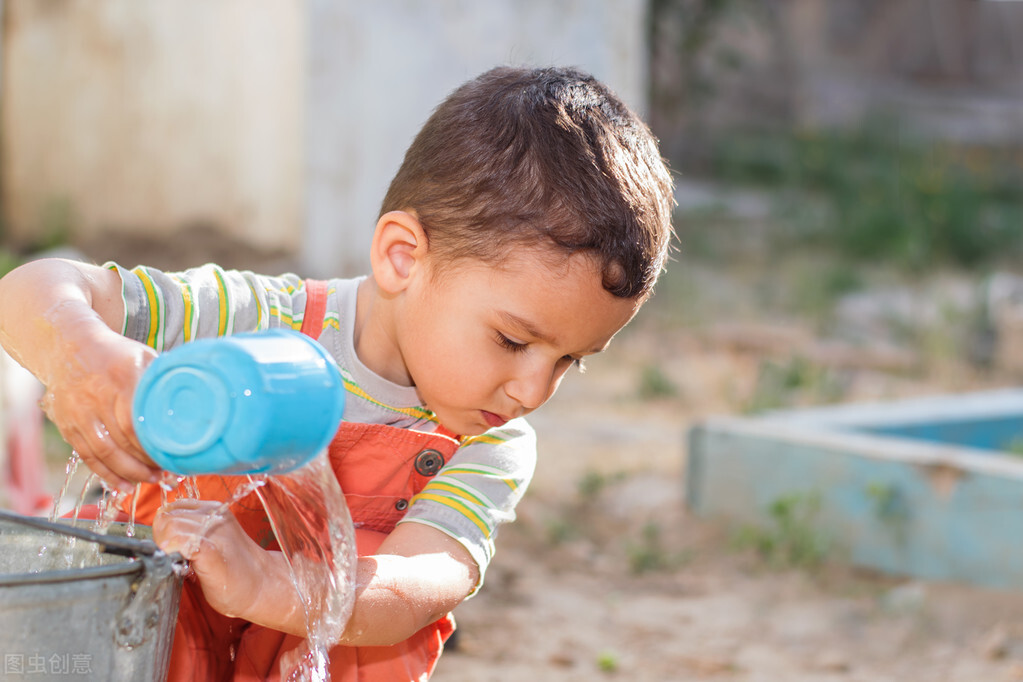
pixel 606 576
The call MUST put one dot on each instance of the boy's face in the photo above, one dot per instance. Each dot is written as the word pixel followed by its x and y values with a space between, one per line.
pixel 485 344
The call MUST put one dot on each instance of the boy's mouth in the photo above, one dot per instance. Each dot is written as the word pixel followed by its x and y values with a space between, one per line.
pixel 493 420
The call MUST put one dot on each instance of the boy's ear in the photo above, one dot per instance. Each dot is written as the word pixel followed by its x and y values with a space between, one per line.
pixel 399 246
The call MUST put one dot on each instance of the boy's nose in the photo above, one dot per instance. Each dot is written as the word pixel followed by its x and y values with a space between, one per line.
pixel 531 389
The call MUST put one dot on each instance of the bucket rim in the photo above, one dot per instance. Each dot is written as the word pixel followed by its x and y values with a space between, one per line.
pixel 123 568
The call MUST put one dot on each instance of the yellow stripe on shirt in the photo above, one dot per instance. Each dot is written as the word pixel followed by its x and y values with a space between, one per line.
pixel 153 336
pixel 485 471
pixel 457 491
pixel 417 412
pixel 458 506
pixel 223 321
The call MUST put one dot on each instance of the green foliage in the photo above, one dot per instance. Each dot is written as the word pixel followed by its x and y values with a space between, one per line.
pixel 1015 447
pixel 886 195
pixel 890 508
pixel 607 661
pixel 655 384
pixel 789 382
pixel 593 483
pixel 650 553
pixel 792 539
pixel 8 261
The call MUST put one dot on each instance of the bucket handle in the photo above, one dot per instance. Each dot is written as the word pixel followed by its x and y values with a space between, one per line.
pixel 110 544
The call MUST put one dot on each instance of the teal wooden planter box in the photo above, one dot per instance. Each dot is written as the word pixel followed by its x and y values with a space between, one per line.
pixel 926 487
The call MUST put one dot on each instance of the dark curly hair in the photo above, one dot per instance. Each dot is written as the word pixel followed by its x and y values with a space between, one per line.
pixel 525 157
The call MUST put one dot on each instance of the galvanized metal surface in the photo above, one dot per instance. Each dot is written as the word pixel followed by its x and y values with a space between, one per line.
pixel 112 619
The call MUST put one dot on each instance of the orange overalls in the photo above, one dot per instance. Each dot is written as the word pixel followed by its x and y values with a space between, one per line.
pixel 379 468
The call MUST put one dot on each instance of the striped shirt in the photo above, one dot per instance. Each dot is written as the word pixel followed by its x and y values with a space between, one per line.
pixel 474 492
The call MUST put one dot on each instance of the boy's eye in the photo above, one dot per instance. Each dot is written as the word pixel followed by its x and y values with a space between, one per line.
pixel 513 346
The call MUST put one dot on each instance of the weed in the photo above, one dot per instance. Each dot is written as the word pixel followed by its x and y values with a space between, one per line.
pixel 793 381
pixel 792 540
pixel 559 531
pixel 650 554
pixel 890 508
pixel 594 482
pixel 607 661
pixel 654 383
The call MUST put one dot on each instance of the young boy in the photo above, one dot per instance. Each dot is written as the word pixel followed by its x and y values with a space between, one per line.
pixel 526 226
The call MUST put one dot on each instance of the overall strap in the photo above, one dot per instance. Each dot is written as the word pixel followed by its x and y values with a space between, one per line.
pixel 315 307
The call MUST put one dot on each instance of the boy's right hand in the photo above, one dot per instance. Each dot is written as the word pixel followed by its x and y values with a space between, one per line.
pixel 59 319
pixel 89 399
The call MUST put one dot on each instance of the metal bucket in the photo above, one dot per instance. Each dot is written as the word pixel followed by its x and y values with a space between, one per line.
pixel 112 618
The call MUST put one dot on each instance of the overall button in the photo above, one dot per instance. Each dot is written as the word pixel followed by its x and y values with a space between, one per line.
pixel 401 505
pixel 429 462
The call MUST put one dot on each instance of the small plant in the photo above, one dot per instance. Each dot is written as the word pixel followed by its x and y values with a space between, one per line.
pixel 655 384
pixel 792 540
pixel 607 661
pixel 890 508
pixel 560 531
pixel 593 483
pixel 793 381
pixel 649 554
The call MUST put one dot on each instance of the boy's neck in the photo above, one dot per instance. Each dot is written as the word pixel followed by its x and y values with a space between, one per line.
pixel 373 334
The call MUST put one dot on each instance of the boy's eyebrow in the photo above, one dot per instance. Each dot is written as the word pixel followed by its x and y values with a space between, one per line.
pixel 531 330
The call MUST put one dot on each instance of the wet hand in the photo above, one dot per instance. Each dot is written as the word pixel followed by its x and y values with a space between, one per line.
pixel 230 566
pixel 89 396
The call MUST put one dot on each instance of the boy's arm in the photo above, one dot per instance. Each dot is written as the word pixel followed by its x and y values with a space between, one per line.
pixel 61 319
pixel 418 575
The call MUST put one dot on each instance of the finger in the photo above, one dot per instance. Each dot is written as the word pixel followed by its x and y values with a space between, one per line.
pixel 178 534
pixel 101 448
pixel 132 449
pixel 127 436
pixel 109 477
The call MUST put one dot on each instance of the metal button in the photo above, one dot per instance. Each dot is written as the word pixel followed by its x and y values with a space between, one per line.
pixel 401 505
pixel 429 462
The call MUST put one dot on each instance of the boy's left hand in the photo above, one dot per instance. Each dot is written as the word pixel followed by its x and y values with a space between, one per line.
pixel 229 565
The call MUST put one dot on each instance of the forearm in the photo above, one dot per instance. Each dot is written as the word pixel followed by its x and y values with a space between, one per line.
pixel 48 305
pixel 395 597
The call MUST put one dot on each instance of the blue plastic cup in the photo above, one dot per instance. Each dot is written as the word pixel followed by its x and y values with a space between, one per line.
pixel 261 402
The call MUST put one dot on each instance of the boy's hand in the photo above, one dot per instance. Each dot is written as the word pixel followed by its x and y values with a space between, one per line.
pixel 89 397
pixel 59 319
pixel 229 564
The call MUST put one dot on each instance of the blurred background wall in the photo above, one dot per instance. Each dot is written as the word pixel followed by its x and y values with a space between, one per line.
pixel 152 117
pixel 270 130
pixel 275 124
